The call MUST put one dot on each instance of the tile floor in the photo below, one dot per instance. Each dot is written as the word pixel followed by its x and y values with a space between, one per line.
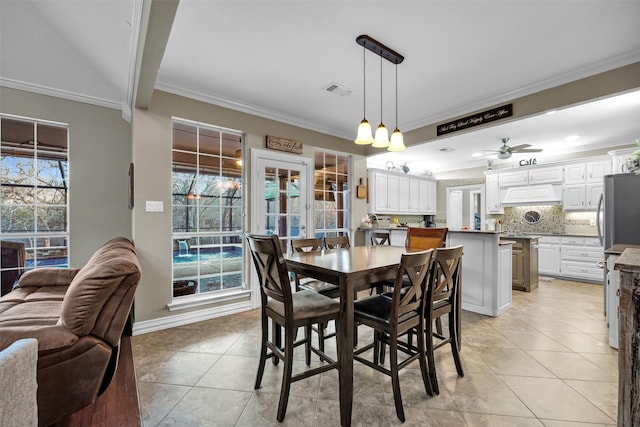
pixel 545 362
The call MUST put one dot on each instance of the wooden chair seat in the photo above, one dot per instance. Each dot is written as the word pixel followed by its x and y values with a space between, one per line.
pixel 307 305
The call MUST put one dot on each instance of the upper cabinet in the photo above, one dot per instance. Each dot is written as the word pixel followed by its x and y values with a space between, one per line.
pixel 619 159
pixel 538 175
pixel 393 193
pixel 584 183
pixel 492 194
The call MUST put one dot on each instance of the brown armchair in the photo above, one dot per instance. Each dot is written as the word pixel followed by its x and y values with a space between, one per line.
pixel 77 316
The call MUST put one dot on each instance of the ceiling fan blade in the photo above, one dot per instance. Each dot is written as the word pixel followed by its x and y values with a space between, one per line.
pixel 519 147
pixel 528 150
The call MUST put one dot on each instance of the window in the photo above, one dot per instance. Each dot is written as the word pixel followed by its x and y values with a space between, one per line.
pixel 207 208
pixel 33 198
pixel 331 194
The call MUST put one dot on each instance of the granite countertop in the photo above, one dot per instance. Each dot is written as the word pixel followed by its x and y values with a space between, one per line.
pixel 377 227
pixel 508 236
pixel 618 248
pixel 475 231
pixel 629 260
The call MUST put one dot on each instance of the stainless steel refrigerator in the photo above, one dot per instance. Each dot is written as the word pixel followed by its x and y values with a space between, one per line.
pixel 618 221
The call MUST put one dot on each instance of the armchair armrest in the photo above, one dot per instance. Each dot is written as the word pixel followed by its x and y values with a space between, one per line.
pixel 47 277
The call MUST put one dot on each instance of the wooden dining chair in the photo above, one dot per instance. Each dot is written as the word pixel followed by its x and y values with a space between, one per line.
pixel 442 297
pixel 287 310
pixel 426 238
pixel 337 242
pixel 380 238
pixel 392 317
pixel 323 288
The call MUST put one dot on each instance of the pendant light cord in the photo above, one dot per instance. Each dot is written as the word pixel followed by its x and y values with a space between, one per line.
pixel 381 121
pixel 364 81
pixel 396 96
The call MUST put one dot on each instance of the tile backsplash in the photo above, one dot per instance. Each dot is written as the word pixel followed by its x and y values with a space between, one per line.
pixel 553 220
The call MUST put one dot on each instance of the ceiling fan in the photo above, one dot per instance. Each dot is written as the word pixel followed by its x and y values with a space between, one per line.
pixel 505 151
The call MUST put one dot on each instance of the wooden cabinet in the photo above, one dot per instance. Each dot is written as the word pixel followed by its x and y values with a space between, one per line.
pixel 492 194
pixel 584 184
pixel 593 192
pixel 524 263
pixel 393 193
pixel 573 197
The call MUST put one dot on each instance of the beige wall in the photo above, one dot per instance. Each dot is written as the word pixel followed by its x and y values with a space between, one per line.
pixel 99 157
pixel 152 157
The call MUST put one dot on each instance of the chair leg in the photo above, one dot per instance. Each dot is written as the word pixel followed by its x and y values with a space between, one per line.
pixel 286 375
pixel 423 362
pixel 395 379
pixel 276 337
pixel 439 325
pixel 307 345
pixel 321 327
pixel 263 350
pixel 430 357
pixel 455 347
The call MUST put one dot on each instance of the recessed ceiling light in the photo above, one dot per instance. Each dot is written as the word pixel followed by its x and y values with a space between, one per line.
pixel 447 149
pixel 478 154
pixel 572 138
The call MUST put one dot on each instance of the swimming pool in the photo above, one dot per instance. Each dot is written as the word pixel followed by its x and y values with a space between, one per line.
pixel 206 254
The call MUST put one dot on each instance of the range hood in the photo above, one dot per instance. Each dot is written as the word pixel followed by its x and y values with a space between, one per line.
pixel 542 194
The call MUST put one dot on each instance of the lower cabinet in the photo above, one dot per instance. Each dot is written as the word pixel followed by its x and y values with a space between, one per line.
pixel 571 257
pixel 524 264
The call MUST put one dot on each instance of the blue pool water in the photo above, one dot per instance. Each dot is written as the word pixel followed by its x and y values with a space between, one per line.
pixel 206 254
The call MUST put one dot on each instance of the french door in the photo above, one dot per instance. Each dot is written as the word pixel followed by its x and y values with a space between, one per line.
pixel 281 196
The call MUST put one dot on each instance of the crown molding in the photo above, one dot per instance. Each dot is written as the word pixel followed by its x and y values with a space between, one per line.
pixel 246 108
pixel 58 93
pixel 557 80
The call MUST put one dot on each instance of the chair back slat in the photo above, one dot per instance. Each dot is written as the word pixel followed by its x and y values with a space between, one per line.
pixel 426 238
pixel 445 278
pixel 307 245
pixel 337 242
pixel 380 238
pixel 415 267
pixel 271 268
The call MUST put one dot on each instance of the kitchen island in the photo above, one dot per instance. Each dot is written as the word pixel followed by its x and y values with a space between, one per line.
pixel 524 261
pixel 486 271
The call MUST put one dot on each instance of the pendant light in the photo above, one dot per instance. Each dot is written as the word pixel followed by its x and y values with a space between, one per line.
pixel 397 140
pixel 382 134
pixel 364 130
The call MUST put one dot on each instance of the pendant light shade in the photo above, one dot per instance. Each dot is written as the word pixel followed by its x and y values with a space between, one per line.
pixel 364 130
pixel 382 134
pixel 397 140
pixel 364 133
pixel 382 137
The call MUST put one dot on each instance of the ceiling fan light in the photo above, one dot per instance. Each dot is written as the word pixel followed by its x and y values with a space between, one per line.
pixel 382 137
pixel 504 155
pixel 364 133
pixel 397 141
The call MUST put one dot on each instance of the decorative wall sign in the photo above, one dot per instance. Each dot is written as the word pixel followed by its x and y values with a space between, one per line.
pixel 284 144
pixel 477 119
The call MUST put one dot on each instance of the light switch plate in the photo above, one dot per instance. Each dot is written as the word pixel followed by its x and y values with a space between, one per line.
pixel 154 206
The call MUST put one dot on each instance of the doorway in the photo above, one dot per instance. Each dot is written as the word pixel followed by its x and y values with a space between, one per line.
pixel 465 208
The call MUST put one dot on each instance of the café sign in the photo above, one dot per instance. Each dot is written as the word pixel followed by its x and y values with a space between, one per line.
pixel 477 119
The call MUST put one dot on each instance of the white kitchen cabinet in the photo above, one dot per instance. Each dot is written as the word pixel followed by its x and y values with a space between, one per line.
pixel 593 191
pixel 515 178
pixel 579 257
pixel 573 197
pixel 574 173
pixel 597 169
pixel 393 193
pixel 427 190
pixel 619 159
pixel 549 255
pixel 384 192
pixel 546 175
pixel 492 194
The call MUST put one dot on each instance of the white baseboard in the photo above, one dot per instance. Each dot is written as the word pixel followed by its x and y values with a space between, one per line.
pixel 146 326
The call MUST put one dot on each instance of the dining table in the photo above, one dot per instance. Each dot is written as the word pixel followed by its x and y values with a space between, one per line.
pixel 352 269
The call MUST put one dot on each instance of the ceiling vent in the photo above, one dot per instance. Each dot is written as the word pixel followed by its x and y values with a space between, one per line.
pixel 337 89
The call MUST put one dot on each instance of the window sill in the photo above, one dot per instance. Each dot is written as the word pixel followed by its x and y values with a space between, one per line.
pixel 202 300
